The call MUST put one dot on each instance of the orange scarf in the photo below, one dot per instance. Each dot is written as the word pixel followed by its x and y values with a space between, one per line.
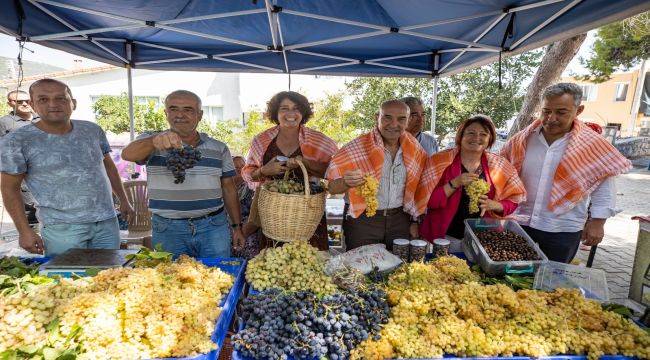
pixel 588 160
pixel 366 153
pixel 504 177
pixel 314 145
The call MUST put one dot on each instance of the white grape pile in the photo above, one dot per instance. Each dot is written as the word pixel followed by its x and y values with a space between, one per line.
pixel 441 308
pixel 123 313
pixel 295 266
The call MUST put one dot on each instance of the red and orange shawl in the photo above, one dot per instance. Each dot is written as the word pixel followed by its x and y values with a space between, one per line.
pixel 504 177
pixel 588 160
pixel 314 145
pixel 366 153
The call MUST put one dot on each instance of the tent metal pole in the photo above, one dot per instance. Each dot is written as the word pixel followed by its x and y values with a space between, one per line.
pixel 399 67
pixel 478 38
pixel 325 67
pixel 88 11
pixel 162 47
pixel 338 39
pixel 336 20
pixel 213 37
pixel 546 22
pixel 129 77
pixel 69 26
pixel 449 21
pixel 450 40
pixel 85 32
pixel 434 106
pixel 323 55
pixel 165 61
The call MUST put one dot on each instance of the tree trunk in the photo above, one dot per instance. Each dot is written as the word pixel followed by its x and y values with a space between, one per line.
pixel 557 57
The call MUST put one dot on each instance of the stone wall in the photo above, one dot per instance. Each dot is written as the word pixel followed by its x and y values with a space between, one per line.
pixel 634 147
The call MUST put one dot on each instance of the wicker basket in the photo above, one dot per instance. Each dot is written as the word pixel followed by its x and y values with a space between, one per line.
pixel 290 217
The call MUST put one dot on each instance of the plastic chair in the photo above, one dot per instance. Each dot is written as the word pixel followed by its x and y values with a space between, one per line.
pixel 140 222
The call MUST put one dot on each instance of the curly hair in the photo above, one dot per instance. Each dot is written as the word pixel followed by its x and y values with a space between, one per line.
pixel 273 106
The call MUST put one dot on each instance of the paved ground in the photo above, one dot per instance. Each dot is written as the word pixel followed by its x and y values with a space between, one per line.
pixel 615 254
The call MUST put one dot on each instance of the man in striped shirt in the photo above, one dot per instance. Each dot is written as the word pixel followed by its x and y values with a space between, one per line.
pixel 188 218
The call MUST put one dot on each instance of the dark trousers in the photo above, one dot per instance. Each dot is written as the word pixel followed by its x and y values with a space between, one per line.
pixel 557 246
pixel 382 228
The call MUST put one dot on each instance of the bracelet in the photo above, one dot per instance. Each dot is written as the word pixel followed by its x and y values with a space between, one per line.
pixel 452 185
pixel 238 225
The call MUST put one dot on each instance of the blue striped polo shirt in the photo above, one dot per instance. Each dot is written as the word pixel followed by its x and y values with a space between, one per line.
pixel 200 193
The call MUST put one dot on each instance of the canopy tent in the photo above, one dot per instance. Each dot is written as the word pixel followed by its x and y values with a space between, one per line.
pixel 420 38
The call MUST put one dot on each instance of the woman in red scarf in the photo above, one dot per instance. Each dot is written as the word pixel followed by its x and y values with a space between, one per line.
pixel 454 169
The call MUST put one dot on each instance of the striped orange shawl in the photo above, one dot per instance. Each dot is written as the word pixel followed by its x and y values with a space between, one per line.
pixel 314 145
pixel 366 153
pixel 504 177
pixel 588 160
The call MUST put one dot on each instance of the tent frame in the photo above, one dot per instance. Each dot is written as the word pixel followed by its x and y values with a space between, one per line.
pixel 274 14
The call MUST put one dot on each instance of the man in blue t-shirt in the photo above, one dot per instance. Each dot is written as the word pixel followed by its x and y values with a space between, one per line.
pixel 67 166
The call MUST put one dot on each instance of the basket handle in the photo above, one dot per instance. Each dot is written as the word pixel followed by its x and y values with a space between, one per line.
pixel 305 177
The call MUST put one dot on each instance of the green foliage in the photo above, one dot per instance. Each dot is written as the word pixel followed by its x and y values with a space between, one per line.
pixel 112 114
pixel 618 46
pixel 460 96
pixel 4 107
pixel 329 118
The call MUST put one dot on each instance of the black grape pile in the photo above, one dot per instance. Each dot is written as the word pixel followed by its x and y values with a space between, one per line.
pixel 299 325
pixel 181 159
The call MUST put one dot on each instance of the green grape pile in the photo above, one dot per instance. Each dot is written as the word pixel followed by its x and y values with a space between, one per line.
pixel 475 190
pixel 293 187
pixel 121 313
pixel 369 192
pixel 441 308
pixel 25 314
pixel 295 266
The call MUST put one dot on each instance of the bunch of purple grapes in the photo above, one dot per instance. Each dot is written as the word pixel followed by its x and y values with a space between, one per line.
pixel 181 159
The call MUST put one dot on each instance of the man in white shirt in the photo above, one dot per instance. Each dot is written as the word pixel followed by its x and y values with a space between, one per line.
pixel 565 166
pixel 416 124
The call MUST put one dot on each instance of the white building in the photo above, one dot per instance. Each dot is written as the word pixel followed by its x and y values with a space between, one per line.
pixel 219 92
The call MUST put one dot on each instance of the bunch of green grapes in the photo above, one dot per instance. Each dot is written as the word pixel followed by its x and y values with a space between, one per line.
pixel 122 313
pixel 293 267
pixel 142 313
pixel 439 309
pixel 475 190
pixel 369 192
pixel 25 315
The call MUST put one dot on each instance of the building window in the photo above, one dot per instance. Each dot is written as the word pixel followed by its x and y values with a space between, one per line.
pixel 621 92
pixel 589 92
pixel 146 100
pixel 213 114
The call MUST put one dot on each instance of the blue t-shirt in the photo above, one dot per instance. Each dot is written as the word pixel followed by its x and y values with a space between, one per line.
pixel 65 173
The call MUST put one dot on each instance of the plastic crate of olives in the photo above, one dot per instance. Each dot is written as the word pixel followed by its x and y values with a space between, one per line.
pixel 501 247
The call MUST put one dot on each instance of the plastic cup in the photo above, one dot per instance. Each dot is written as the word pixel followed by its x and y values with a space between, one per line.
pixel 418 250
pixel 441 247
pixel 401 249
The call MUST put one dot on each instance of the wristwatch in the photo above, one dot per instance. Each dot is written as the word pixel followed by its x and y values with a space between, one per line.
pixel 238 225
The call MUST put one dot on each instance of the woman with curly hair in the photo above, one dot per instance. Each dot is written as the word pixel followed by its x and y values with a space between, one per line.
pixel 289 139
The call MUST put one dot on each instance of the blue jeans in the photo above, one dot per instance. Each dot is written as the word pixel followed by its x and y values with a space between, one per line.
pixel 209 237
pixel 95 235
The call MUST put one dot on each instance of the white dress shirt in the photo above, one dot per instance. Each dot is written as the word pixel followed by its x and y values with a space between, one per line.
pixel 390 194
pixel 537 173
